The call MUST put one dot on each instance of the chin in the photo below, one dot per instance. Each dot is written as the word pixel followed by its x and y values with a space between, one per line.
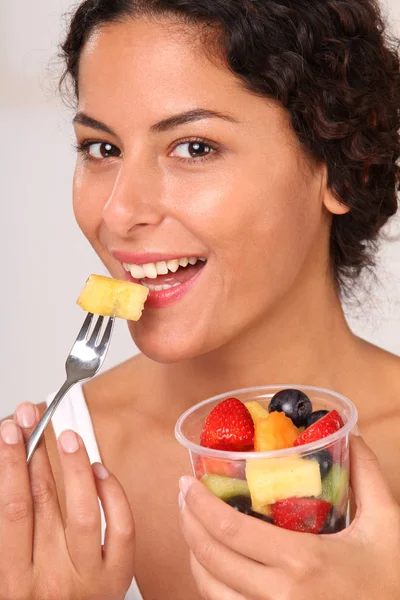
pixel 169 345
pixel 166 353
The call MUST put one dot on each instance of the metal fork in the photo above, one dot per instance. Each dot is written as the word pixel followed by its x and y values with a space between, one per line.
pixel 84 360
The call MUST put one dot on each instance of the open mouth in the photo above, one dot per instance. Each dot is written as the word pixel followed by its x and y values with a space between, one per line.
pixel 167 280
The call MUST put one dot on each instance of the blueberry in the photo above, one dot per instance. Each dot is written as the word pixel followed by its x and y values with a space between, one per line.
pixel 240 503
pixel 243 505
pixel 257 515
pixel 315 416
pixel 295 404
pixel 324 458
pixel 334 523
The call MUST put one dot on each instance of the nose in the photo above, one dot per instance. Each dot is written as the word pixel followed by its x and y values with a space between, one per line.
pixel 135 200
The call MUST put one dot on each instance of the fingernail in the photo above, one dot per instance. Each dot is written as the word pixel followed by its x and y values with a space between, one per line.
pixel 181 501
pixel 26 415
pixel 184 484
pixel 9 432
pixel 356 432
pixel 100 471
pixel 69 442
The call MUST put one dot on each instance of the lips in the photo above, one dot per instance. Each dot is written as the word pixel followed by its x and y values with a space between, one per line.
pixel 153 270
pixel 165 297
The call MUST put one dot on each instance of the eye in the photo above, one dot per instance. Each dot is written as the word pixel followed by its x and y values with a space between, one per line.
pixel 194 149
pixel 99 150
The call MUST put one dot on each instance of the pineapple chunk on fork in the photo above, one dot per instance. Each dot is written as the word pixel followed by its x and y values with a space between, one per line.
pixel 112 297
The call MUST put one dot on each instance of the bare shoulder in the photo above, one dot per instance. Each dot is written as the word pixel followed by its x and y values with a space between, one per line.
pixel 379 409
pixel 382 366
pixel 370 377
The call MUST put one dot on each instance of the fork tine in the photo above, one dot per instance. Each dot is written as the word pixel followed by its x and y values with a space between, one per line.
pixel 85 328
pixel 96 331
pixel 80 365
pixel 102 347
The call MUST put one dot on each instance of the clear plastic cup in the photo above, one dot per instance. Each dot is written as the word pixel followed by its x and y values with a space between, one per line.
pixel 289 488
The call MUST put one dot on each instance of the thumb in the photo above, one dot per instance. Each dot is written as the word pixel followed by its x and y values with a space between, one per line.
pixel 371 492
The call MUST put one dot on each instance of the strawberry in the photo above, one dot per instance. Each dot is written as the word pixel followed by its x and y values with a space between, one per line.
pixel 329 424
pixel 307 515
pixel 205 465
pixel 229 426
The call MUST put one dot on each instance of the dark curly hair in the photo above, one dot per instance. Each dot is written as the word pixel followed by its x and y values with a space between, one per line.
pixel 330 63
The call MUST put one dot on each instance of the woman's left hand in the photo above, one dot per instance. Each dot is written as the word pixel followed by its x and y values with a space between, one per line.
pixel 237 557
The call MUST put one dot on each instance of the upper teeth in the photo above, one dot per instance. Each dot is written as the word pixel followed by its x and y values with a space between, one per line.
pixel 152 270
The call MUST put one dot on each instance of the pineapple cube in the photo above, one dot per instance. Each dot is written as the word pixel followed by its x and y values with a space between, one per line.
pixel 256 410
pixel 112 297
pixel 274 479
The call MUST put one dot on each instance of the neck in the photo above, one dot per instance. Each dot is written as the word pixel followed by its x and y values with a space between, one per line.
pixel 301 341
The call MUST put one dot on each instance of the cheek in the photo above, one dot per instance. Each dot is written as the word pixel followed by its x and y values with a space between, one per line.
pixel 280 233
pixel 259 213
pixel 89 199
pixel 280 225
pixel 264 233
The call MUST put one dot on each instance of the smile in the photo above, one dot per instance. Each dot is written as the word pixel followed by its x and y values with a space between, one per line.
pixel 167 280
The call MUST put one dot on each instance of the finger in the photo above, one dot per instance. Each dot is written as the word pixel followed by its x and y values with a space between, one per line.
pixel 16 511
pixel 48 531
pixel 83 524
pixel 368 482
pixel 209 587
pixel 245 535
pixel 227 566
pixel 119 542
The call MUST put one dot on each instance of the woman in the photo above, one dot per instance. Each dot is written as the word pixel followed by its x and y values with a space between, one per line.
pixel 262 138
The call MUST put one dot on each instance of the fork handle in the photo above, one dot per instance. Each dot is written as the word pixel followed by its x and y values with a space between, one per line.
pixel 44 421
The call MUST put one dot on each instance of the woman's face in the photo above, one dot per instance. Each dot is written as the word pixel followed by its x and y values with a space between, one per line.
pixel 180 161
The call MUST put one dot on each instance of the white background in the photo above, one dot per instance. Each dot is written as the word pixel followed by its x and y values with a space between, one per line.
pixel 44 257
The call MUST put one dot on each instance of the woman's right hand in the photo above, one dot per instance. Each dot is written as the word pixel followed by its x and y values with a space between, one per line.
pixel 40 559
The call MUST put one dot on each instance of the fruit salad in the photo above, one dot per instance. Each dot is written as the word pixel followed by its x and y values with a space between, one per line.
pixel 293 486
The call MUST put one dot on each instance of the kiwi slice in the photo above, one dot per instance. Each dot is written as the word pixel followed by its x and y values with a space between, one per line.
pixel 225 487
pixel 335 485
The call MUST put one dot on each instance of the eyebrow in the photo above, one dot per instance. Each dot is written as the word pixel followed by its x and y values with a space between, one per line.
pixel 82 119
pixel 189 116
